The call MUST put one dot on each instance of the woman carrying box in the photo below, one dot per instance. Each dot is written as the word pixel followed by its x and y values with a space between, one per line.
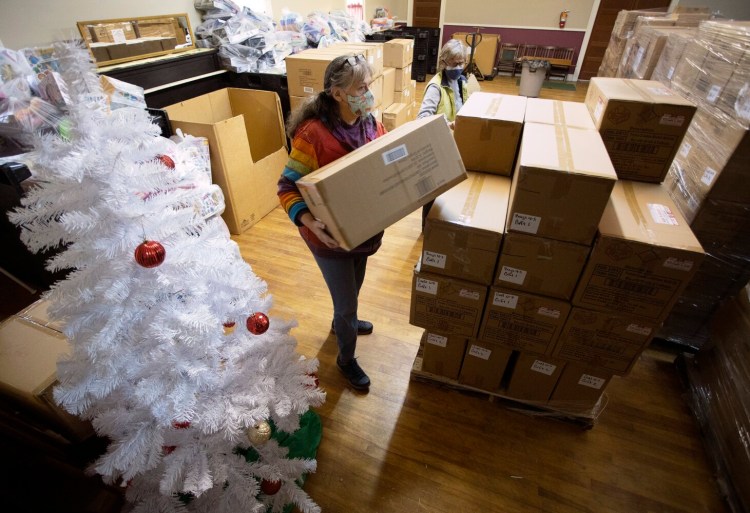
pixel 326 127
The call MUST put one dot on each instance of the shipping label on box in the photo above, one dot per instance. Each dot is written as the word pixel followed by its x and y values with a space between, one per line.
pixel 442 354
pixel 465 227
pixel 398 53
pixel 484 365
pixel 447 305
pixel 642 123
pixel 522 321
pixel 562 183
pixel 602 339
pixel 556 112
pixel 539 265
pixel 376 185
pixel 579 388
pixel 488 130
pixel 644 256
pixel 533 377
pixel 247 144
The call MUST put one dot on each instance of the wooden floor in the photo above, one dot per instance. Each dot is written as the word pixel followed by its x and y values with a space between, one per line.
pixel 410 447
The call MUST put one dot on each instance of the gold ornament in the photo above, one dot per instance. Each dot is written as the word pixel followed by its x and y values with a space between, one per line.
pixel 259 433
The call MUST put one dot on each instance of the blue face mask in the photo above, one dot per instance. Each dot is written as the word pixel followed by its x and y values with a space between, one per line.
pixel 453 73
pixel 361 105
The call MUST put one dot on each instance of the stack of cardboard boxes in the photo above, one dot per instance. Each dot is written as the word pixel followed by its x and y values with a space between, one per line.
pixel 583 265
pixel 391 85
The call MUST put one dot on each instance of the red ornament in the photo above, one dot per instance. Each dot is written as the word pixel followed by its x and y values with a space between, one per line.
pixel 168 449
pixel 166 160
pixel 150 254
pixel 257 324
pixel 181 425
pixel 228 327
pixel 270 487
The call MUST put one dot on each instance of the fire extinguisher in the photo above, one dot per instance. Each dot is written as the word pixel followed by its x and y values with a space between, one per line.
pixel 563 18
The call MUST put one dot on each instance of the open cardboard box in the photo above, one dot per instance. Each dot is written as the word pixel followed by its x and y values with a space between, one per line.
pixel 246 139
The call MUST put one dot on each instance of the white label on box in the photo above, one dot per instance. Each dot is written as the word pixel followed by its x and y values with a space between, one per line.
pixel 672 120
pixel 590 381
pixel 433 259
pixel 437 340
pixel 308 89
pixel 371 60
pixel 638 329
pixel 713 93
pixel 685 149
pixel 742 104
pixel 543 367
pixel 118 35
pixel 395 154
pixel 549 312
pixel 428 286
pixel 662 214
pixel 525 223
pixel 708 176
pixel 480 352
pixel 513 275
pixel 469 294
pixel 599 108
pixel 679 264
pixel 505 300
pixel 670 73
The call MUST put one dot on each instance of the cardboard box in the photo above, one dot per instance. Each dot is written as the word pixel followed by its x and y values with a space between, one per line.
pixel 305 71
pixel 296 101
pixel 522 321
pixel 562 183
pixel 389 82
pixel 376 88
pixel 604 339
pixel 374 186
pixel 579 388
pixel 28 372
pixel 402 78
pixel 125 50
pixel 442 354
pixel 465 227
pixel 484 365
pixel 398 53
pixel 112 32
pixel 488 130
pixel 644 256
pixel 408 95
pixel 37 314
pixel 533 377
pixel 247 143
pixel 446 305
pixel 642 123
pixel 100 52
pixel 556 112
pixel 373 51
pixel 539 265
pixel 157 27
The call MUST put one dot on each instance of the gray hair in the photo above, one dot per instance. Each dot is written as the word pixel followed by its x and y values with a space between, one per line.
pixel 450 50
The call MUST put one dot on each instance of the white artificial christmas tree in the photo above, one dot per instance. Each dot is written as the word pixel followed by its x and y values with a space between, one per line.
pixel 169 358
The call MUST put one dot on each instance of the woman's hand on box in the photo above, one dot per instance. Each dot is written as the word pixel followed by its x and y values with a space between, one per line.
pixel 319 229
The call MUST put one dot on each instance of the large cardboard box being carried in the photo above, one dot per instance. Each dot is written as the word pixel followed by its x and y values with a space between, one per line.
pixel 644 256
pixel 522 321
pixel 562 183
pixel 539 265
pixel 488 129
pixel 247 143
pixel 465 227
pixel 447 305
pixel 533 377
pixel 484 365
pixel 607 340
pixel 442 354
pixel 374 186
pixel 642 123
pixel 556 112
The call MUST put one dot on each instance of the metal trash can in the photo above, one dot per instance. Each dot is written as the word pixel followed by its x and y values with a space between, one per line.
pixel 533 73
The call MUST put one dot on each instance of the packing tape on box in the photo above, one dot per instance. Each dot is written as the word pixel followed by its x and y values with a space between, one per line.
pixel 638 214
pixel 472 199
pixel 559 113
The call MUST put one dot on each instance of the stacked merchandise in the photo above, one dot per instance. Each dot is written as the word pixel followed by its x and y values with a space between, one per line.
pixel 719 380
pixel 708 178
pixel 398 56
pixel 644 49
pixel 621 32
pixel 671 54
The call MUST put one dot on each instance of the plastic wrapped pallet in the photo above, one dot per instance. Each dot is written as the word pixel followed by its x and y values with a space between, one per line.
pixel 645 47
pixel 671 54
pixel 621 31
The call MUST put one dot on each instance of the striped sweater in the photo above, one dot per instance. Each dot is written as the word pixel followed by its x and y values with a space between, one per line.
pixel 313 147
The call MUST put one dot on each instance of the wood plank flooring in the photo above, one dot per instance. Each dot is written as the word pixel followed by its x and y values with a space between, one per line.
pixel 410 447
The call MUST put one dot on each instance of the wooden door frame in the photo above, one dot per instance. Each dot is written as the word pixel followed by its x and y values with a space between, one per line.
pixel 441 20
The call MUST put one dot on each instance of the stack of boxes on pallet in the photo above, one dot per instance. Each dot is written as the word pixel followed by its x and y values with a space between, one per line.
pixel 550 270
pixel 391 84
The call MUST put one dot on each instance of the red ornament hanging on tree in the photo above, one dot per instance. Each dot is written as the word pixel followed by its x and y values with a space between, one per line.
pixel 166 160
pixel 168 449
pixel 181 425
pixel 257 324
pixel 150 254
pixel 270 487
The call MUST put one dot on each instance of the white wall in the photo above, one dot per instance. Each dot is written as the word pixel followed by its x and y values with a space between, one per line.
pixel 736 9
pixel 517 13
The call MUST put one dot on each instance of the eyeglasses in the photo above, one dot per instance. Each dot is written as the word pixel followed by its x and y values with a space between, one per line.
pixel 353 60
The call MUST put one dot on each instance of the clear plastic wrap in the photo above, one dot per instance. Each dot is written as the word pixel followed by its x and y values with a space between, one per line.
pixel 224 5
pixel 291 21
pixel 674 47
pixel 315 27
pixel 122 94
pixel 644 48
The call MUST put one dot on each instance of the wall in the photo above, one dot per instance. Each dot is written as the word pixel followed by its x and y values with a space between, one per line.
pixel 517 13
pixel 736 9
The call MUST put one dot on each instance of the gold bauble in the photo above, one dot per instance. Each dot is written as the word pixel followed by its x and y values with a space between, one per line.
pixel 259 433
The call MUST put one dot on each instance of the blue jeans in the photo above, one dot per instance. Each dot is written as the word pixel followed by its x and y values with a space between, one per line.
pixel 344 277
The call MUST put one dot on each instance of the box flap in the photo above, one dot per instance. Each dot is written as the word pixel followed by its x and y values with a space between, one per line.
pixel 481 202
pixel 645 213
pixel 644 91
pixel 499 107
pixel 556 112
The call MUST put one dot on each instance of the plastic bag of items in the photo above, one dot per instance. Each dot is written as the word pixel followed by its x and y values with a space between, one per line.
pixel 121 94
pixel 221 5
pixel 13 65
pixel 263 22
pixel 537 65
pixel 217 14
pixel 346 27
pixel 239 58
pixel 22 114
pixel 315 27
pixel 291 22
